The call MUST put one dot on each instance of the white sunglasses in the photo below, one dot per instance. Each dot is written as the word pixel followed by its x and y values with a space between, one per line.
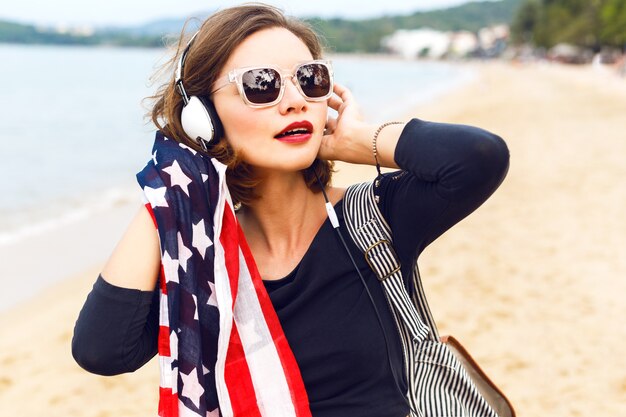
pixel 264 86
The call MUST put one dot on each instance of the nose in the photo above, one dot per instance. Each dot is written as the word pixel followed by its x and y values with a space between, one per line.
pixel 293 100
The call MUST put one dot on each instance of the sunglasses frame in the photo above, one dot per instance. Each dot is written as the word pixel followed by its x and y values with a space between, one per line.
pixel 236 76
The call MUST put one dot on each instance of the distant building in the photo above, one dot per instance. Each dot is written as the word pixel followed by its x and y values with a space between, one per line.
pixel 489 36
pixel 430 43
pixel 419 43
pixel 462 43
pixel 65 29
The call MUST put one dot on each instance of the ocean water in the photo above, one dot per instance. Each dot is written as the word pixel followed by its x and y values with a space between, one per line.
pixel 73 133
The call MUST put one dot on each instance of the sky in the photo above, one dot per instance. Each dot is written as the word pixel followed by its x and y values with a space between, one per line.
pixel 131 12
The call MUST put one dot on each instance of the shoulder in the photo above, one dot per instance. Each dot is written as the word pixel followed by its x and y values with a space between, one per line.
pixel 167 153
pixel 175 169
pixel 378 187
pixel 172 162
pixel 336 194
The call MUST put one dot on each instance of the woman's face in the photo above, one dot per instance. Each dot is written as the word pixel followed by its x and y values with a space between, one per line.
pixel 253 131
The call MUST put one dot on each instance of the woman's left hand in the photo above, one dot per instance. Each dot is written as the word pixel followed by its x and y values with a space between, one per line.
pixel 343 139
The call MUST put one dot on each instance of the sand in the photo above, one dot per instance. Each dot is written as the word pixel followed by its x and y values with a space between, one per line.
pixel 533 282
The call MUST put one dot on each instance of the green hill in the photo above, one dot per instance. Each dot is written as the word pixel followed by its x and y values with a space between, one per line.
pixel 342 35
pixel 364 35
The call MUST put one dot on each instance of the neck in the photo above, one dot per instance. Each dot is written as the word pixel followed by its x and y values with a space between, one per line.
pixel 285 217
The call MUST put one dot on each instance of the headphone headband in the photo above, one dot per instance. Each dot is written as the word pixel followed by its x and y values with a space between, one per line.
pixel 181 62
pixel 181 67
pixel 198 117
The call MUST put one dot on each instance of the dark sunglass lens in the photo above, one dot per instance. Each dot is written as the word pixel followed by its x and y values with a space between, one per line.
pixel 314 79
pixel 261 85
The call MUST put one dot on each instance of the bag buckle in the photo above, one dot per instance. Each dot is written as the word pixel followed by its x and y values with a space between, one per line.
pixel 382 273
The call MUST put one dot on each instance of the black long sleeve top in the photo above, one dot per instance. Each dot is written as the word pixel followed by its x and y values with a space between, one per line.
pixel 447 172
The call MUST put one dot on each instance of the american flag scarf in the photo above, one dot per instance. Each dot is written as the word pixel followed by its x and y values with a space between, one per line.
pixel 222 350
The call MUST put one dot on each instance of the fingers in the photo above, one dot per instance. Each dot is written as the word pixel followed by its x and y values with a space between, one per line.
pixel 341 96
pixel 335 102
pixel 342 91
pixel 331 125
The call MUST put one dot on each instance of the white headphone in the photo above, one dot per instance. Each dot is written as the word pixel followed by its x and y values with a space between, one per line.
pixel 198 116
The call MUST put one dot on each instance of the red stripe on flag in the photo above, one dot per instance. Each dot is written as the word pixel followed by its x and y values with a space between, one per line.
pixel 162 281
pixel 168 403
pixel 290 366
pixel 229 241
pixel 236 370
pixel 149 207
pixel 164 341
pixel 238 381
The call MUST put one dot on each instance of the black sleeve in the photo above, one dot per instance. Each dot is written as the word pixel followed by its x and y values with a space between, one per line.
pixel 117 329
pixel 449 170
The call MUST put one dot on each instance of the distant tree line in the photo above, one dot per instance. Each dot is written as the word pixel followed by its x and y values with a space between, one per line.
pixel 11 32
pixel 587 23
pixel 341 35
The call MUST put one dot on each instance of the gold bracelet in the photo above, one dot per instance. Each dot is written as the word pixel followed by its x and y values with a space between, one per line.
pixel 374 148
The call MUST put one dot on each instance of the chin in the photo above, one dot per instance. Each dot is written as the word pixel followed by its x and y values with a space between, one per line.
pixel 296 166
pixel 286 162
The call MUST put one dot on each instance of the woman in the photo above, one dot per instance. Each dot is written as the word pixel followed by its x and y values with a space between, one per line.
pixel 270 90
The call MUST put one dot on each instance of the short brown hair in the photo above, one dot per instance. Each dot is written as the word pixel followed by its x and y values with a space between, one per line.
pixel 217 38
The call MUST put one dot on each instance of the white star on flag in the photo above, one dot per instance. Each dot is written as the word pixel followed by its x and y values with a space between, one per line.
pixel 183 253
pixel 204 177
pixel 154 157
pixel 156 196
pixel 212 301
pixel 200 240
pixel 184 411
pixel 170 267
pixel 178 177
pixel 190 149
pixel 191 387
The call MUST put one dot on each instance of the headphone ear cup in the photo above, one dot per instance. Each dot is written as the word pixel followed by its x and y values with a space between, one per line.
pixel 218 129
pixel 198 120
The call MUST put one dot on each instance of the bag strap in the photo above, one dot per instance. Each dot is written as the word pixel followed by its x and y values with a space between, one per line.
pixel 418 297
pixel 371 233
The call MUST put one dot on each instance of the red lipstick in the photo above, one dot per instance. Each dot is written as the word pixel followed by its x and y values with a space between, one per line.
pixel 296 132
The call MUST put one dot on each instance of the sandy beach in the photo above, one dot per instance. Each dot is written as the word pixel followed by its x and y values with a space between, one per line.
pixel 532 283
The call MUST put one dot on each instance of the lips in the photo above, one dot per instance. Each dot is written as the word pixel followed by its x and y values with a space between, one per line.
pixel 296 132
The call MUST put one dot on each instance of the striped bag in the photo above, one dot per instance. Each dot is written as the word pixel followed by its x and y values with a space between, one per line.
pixel 443 379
